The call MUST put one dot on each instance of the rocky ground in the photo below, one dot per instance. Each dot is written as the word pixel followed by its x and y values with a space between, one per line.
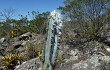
pixel 90 56
pixel 21 44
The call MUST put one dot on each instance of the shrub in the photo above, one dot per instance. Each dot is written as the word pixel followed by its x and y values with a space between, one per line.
pixel 16 32
pixel 34 50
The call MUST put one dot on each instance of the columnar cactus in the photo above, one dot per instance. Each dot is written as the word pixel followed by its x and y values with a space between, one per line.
pixel 54 32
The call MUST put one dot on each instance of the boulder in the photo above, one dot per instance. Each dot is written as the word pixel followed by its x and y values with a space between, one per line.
pixel 2 40
pixel 33 64
pixel 25 36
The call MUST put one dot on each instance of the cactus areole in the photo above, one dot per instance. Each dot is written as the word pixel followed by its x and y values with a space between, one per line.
pixel 50 51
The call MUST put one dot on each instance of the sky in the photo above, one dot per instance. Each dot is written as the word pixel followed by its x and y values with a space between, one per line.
pixel 23 6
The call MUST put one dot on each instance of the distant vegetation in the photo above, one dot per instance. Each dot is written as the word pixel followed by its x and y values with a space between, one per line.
pixel 14 27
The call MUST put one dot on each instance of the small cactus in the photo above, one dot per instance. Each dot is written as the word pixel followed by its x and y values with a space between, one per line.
pixel 61 58
pixel 40 55
pixel 13 33
pixel 11 60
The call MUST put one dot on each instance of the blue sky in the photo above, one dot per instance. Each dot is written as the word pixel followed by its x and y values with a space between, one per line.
pixel 23 6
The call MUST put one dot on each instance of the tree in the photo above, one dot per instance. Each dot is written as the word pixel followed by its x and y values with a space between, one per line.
pixel 7 14
pixel 39 22
pixel 88 18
